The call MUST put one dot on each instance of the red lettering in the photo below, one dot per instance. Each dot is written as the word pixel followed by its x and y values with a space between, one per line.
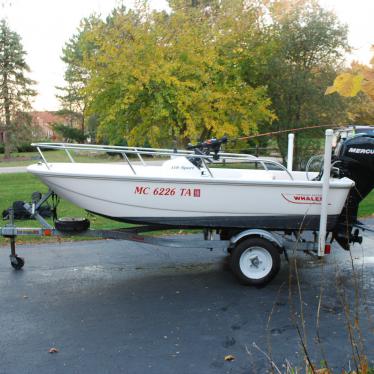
pixel 140 190
pixel 303 199
pixel 168 191
pixel 186 192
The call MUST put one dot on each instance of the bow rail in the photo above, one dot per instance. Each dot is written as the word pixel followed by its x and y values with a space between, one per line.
pixel 124 151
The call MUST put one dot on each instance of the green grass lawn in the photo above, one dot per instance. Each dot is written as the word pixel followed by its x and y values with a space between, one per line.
pixel 21 186
pixel 367 206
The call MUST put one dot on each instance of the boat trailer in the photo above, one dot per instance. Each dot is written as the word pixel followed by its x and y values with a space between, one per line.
pixel 254 253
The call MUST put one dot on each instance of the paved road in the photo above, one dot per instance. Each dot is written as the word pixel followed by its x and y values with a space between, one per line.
pixel 119 307
pixel 22 169
pixel 13 169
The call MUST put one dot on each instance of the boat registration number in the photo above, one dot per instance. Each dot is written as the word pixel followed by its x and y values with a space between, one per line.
pixel 167 191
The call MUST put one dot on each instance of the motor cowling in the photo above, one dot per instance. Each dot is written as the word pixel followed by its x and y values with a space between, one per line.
pixel 355 160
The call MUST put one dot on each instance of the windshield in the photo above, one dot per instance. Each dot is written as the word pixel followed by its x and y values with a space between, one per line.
pixel 365 131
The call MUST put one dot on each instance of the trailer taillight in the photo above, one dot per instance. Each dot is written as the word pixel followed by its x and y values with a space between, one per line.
pixel 327 249
pixel 47 232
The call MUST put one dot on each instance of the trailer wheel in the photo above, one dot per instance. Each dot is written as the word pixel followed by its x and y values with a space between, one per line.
pixel 255 261
pixel 17 262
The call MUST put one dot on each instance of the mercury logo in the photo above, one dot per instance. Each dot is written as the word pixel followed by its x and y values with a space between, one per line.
pixel 361 151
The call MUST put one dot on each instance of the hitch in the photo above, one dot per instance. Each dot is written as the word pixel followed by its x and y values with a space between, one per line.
pixel 16 261
pixel 11 231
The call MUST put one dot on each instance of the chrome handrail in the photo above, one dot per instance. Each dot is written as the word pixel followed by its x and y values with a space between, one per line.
pixel 124 151
pixel 43 158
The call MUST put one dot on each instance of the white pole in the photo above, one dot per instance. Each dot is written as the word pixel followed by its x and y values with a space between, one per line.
pixel 291 138
pixel 325 193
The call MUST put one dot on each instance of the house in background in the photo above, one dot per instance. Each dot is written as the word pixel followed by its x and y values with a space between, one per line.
pixel 43 122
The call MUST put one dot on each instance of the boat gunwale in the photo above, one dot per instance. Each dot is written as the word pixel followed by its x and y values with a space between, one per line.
pixel 342 183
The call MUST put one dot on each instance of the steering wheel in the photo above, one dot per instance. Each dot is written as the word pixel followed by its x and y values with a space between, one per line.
pixel 315 163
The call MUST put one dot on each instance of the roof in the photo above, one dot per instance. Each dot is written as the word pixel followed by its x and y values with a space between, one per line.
pixel 47 117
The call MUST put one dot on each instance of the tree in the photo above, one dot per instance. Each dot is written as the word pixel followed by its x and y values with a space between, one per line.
pixel 72 96
pixel 357 84
pixel 212 67
pixel 361 109
pixel 15 88
pixel 156 76
pixel 359 78
pixel 68 133
pixel 306 46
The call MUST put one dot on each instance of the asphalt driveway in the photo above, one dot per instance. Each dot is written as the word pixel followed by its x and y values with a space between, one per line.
pixel 120 307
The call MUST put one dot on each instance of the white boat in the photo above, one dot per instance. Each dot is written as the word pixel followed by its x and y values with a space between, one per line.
pixel 259 214
pixel 184 191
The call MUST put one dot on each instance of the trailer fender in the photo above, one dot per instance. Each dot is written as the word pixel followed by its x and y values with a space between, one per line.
pixel 256 232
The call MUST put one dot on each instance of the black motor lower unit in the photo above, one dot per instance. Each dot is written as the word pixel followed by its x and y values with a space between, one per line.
pixel 355 159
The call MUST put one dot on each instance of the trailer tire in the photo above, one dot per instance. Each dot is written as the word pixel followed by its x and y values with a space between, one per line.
pixel 255 261
pixel 17 262
pixel 72 225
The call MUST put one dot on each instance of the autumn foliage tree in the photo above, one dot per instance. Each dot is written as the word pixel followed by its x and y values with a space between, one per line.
pixel 156 76
pixel 306 48
pixel 357 83
pixel 208 68
pixel 360 78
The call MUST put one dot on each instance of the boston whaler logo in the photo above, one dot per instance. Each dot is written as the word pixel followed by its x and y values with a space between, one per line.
pixel 361 151
pixel 298 198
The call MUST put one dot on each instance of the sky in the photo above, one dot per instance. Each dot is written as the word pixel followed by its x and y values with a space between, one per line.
pixel 45 26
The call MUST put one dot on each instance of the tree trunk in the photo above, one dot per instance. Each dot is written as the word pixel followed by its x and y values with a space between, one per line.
pixel 205 134
pixel 282 147
pixel 82 125
pixel 296 151
pixel 83 121
pixel 7 132
pixel 7 145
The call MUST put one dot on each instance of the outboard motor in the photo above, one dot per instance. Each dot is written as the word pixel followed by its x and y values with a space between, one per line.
pixel 355 159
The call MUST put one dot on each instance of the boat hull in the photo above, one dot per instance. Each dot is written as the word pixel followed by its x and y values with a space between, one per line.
pixel 272 223
pixel 196 202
